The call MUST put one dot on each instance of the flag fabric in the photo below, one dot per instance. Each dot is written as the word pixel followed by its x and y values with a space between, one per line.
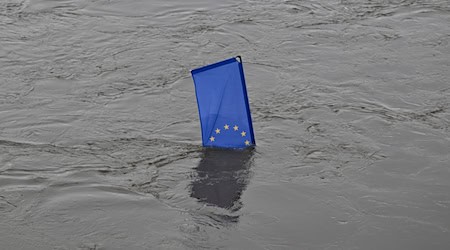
pixel 223 105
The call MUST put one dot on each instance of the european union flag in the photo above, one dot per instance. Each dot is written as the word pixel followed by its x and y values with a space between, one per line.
pixel 223 105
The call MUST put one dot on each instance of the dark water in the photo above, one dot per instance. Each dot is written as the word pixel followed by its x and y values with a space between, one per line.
pixel 100 139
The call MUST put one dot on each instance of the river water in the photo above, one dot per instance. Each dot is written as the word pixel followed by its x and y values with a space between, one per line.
pixel 100 142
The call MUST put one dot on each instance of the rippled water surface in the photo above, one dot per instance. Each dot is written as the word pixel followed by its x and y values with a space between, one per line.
pixel 100 142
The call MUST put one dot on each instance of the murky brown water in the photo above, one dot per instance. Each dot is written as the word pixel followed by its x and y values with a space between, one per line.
pixel 100 138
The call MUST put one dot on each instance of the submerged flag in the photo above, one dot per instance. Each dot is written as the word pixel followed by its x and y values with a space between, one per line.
pixel 223 105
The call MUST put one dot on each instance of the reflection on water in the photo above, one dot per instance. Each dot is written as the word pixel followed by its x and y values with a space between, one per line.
pixel 222 176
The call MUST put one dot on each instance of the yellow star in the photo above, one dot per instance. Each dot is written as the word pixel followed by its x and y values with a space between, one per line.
pixel 247 142
pixel 226 126
pixel 217 131
pixel 212 138
pixel 243 133
pixel 235 128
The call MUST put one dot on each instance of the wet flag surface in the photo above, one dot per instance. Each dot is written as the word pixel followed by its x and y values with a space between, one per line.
pixel 223 105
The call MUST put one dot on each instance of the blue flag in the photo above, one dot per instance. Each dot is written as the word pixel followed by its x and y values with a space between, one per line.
pixel 223 105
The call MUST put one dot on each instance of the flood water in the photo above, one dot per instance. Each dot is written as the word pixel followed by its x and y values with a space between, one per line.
pixel 100 144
